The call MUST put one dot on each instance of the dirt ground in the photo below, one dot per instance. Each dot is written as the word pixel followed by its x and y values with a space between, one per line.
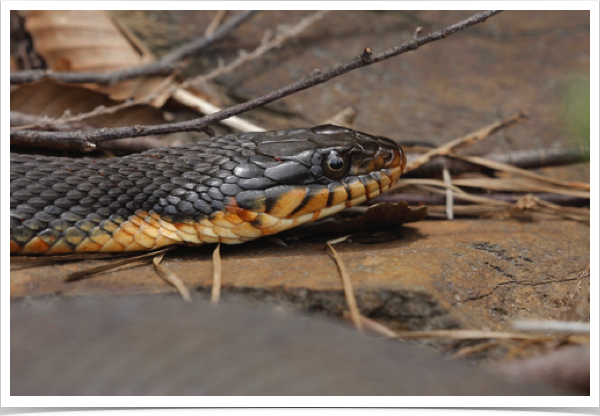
pixel 465 273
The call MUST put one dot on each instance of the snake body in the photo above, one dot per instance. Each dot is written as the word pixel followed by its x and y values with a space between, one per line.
pixel 230 189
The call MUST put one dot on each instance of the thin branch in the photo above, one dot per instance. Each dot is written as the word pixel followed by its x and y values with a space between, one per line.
pixel 89 139
pixel 164 65
pixel 502 167
pixel 184 97
pixel 524 159
pixel 449 194
pixel 427 199
pixel 215 22
pixel 551 326
pixel 264 47
pixel 469 139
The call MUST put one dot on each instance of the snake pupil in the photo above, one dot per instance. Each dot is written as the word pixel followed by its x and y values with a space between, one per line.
pixel 336 163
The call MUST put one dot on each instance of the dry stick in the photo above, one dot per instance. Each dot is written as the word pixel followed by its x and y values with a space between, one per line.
pixel 372 326
pixel 471 349
pixel 449 194
pixel 215 293
pixel 517 185
pixel 465 140
pixel 466 334
pixel 216 21
pixel 85 273
pixel 344 118
pixel 88 139
pixel 23 120
pixel 264 47
pixel 502 167
pixel 190 100
pixel 570 213
pixel 348 292
pixel 504 184
pixel 181 95
pixel 524 159
pixel 551 326
pixel 427 199
pixel 430 185
pixel 170 277
pixel 164 65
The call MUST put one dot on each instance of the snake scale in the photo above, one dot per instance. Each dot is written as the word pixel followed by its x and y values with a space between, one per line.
pixel 230 189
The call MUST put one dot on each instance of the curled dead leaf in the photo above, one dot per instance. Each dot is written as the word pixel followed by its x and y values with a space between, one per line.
pixel 88 41
pixel 52 99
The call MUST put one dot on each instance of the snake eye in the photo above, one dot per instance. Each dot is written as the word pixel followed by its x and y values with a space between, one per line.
pixel 335 165
pixel 388 157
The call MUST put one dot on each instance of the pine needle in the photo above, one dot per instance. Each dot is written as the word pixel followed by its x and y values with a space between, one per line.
pixel 171 277
pixel 216 286
pixel 348 292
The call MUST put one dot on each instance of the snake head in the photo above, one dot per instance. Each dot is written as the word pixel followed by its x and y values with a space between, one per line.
pixel 317 172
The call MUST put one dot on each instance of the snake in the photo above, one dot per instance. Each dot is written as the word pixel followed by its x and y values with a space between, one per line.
pixel 231 189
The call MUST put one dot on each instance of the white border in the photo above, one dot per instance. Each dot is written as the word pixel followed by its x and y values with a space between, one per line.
pixel 296 401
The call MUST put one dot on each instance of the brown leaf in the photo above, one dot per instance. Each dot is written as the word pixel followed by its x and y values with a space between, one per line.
pixel 91 40
pixel 51 98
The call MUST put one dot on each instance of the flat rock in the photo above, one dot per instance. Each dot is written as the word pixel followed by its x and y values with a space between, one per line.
pixel 465 273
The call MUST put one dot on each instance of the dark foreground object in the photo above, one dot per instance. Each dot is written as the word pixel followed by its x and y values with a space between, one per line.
pixel 142 346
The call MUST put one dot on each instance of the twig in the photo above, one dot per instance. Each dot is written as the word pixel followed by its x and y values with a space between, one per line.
pixel 259 51
pixel 180 94
pixel 86 273
pixel 427 199
pixel 216 21
pixel 23 120
pixel 499 184
pixel 449 194
pixel 465 140
pixel 164 65
pixel 344 118
pixel 202 106
pixel 466 334
pixel 372 326
pixel 349 293
pixel 89 139
pixel 170 277
pixel 215 293
pixel 551 326
pixel 512 169
pixel 472 349
pixel 524 159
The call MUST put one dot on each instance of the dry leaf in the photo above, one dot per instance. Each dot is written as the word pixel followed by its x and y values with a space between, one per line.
pixel 89 41
pixel 51 98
